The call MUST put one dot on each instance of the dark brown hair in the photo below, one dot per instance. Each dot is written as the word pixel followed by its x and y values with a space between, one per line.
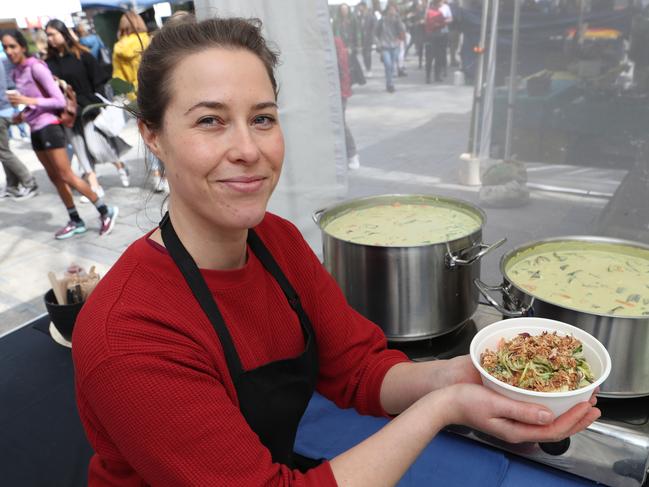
pixel 71 44
pixel 182 38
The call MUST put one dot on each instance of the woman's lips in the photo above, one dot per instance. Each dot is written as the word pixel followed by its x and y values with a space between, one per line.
pixel 244 184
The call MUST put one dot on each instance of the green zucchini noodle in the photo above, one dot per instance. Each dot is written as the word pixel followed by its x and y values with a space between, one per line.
pixel 543 363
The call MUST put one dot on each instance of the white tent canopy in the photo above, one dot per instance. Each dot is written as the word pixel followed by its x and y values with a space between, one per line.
pixel 33 9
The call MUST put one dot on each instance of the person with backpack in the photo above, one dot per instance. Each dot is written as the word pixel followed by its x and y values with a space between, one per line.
pixel 44 101
pixel 72 62
pixel 390 32
pixel 436 38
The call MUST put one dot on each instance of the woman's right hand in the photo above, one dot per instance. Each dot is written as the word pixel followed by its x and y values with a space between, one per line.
pixel 513 421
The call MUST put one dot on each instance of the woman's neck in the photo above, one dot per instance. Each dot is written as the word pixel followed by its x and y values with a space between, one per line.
pixel 211 247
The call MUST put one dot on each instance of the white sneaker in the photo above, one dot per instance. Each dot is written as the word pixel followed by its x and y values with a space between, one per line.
pixel 99 191
pixel 354 162
pixel 124 177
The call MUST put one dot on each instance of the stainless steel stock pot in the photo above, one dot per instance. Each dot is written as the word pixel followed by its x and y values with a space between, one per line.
pixel 625 337
pixel 411 292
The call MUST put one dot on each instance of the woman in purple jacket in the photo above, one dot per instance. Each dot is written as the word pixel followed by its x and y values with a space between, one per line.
pixel 43 100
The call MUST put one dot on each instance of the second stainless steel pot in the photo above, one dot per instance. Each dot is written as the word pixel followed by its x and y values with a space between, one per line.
pixel 625 338
pixel 411 292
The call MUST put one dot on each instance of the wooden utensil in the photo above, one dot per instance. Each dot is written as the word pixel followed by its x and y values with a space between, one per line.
pixel 59 292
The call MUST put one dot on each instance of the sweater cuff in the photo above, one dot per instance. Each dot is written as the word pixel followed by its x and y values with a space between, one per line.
pixel 389 358
pixel 321 476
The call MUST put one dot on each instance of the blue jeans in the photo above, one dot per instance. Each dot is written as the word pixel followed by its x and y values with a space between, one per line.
pixel 390 56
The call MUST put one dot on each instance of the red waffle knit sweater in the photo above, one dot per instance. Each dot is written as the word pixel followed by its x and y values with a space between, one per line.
pixel 153 389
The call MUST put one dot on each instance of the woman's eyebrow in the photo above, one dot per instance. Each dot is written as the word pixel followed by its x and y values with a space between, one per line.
pixel 265 104
pixel 217 105
pixel 207 104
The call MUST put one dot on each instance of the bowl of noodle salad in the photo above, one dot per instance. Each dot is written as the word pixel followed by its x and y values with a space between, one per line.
pixel 541 361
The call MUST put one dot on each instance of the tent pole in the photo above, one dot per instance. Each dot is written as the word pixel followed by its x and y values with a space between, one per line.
pixel 478 82
pixel 513 75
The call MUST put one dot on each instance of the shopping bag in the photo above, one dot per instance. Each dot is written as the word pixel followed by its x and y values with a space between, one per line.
pixel 111 119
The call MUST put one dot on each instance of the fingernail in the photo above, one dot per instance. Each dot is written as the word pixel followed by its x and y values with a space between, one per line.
pixel 545 417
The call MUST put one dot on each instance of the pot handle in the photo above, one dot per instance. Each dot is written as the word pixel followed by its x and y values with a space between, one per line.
pixel 317 215
pixel 484 290
pixel 453 260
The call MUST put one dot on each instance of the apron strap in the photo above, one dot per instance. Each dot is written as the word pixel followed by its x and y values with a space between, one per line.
pixel 268 261
pixel 271 265
pixel 199 289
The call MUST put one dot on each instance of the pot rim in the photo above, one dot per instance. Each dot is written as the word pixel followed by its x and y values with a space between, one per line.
pixel 507 256
pixel 360 202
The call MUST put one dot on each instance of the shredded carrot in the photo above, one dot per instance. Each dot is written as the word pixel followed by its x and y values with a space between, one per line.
pixel 567 296
pixel 625 303
pixel 529 287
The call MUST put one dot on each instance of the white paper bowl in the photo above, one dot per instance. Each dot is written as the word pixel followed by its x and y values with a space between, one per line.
pixel 558 402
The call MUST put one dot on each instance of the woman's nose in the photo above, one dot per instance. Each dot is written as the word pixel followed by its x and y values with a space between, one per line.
pixel 243 146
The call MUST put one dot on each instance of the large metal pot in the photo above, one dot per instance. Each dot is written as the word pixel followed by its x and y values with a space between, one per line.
pixel 626 338
pixel 411 292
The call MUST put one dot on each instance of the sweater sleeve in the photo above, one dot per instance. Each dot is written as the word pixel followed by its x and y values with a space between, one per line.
pixel 54 100
pixel 174 423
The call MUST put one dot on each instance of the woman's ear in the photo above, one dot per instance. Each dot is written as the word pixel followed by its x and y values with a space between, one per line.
pixel 150 138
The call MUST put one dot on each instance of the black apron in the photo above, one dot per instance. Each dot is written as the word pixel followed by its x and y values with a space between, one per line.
pixel 274 396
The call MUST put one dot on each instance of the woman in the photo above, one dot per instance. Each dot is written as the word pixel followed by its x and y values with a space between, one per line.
pixel 415 22
pixel 132 39
pixel 198 352
pixel 438 17
pixel 73 63
pixel 389 33
pixel 345 26
pixel 43 99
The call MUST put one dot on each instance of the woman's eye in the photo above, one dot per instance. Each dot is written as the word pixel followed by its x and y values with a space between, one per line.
pixel 264 121
pixel 209 121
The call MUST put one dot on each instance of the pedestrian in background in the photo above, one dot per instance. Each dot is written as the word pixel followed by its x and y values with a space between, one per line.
pixel 367 25
pixel 68 60
pixel 435 40
pixel 353 161
pixel 97 48
pixel 415 23
pixel 389 33
pixel 454 31
pixel 20 183
pixel 132 40
pixel 346 27
pixel 6 64
pixel 43 101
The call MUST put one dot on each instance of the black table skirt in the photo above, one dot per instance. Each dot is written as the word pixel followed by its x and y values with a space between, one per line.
pixel 42 442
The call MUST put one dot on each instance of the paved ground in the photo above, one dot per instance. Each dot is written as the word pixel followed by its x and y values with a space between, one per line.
pixel 408 141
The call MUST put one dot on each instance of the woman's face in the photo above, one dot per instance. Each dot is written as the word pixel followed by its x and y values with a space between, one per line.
pixel 54 38
pixel 14 51
pixel 220 139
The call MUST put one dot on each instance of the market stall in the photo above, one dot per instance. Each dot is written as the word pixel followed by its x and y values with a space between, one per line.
pixel 43 443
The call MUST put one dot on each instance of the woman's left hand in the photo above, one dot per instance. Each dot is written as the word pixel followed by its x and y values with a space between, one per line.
pixel 18 99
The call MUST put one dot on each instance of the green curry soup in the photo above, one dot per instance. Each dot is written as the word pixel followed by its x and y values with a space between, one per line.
pixel 596 278
pixel 403 225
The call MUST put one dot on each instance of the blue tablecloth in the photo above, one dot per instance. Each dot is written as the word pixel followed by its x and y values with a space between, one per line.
pixel 449 460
